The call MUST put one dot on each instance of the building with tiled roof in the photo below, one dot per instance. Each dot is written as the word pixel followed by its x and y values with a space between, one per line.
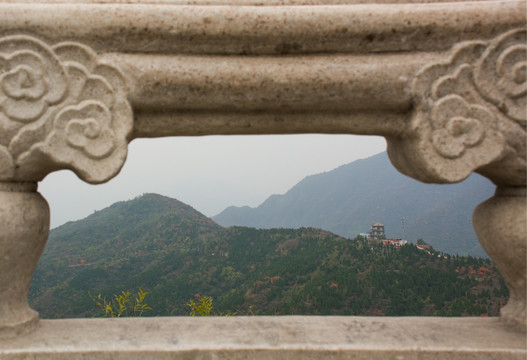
pixel 377 231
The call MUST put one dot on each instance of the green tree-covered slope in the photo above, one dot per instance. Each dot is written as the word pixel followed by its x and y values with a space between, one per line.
pixel 347 200
pixel 175 253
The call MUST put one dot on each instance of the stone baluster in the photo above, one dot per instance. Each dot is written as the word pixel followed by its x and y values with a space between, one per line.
pixel 470 115
pixel 500 224
pixel 24 224
pixel 61 108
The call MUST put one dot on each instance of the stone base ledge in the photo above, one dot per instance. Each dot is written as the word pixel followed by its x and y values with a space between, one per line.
pixel 291 337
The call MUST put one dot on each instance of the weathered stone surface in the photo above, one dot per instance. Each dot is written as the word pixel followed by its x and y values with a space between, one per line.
pixel 501 225
pixel 60 108
pixel 24 227
pixel 289 337
pixel 171 28
pixel 470 114
pixel 444 82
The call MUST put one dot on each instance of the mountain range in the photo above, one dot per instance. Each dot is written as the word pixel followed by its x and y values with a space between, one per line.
pixel 348 199
pixel 176 254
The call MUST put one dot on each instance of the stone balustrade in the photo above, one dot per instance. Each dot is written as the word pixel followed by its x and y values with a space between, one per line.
pixel 443 82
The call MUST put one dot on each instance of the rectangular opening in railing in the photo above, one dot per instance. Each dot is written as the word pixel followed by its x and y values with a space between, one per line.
pixel 264 225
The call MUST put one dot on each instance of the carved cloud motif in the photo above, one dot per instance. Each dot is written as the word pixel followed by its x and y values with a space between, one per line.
pixel 459 125
pixel 501 75
pixel 463 104
pixel 27 87
pixel 60 107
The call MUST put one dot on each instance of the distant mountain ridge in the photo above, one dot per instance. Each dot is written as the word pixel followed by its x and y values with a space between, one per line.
pixel 348 199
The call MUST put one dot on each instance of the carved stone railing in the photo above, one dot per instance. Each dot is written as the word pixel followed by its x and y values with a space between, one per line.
pixel 444 82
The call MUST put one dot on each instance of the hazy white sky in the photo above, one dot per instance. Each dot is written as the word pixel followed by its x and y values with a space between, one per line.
pixel 209 173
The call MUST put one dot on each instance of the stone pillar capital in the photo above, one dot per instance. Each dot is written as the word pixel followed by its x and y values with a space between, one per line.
pixel 469 114
pixel 61 107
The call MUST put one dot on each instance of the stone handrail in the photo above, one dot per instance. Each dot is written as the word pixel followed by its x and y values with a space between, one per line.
pixel 444 82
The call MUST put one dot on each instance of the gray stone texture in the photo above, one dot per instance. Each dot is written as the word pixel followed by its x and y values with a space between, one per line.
pixel 288 337
pixel 444 82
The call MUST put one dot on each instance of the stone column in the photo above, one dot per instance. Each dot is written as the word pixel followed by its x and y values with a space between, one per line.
pixel 24 224
pixel 470 115
pixel 60 108
pixel 501 224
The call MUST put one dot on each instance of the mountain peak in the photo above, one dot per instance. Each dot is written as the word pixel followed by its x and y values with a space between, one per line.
pixel 137 214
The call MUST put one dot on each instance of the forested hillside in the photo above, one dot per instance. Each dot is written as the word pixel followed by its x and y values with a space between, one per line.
pixel 176 254
pixel 347 200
